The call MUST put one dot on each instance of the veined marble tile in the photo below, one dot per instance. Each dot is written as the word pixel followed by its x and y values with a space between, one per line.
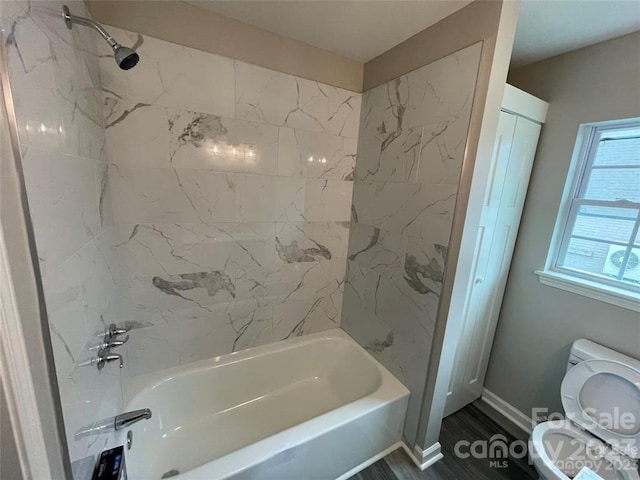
pixel 42 51
pixel 421 283
pixel 396 339
pixel 209 142
pixel 261 198
pixel 50 120
pixel 300 242
pixel 105 209
pixel 81 301
pixel 420 211
pixel 444 89
pixel 45 59
pixel 29 50
pixel 438 92
pixel 375 294
pixel 442 151
pixel 295 318
pixel 201 339
pixel 194 336
pixel 388 148
pixel 171 75
pixel 402 347
pixel 65 199
pixel 136 133
pixel 358 312
pixel 163 195
pixel 157 300
pixel 65 310
pixel 389 155
pixel 432 214
pixel 407 358
pixel 315 155
pixel 170 249
pixel 200 288
pixel 403 296
pixel 375 249
pixel 252 324
pixel 327 200
pixel 323 279
pixel 291 281
pixel 424 266
pixel 74 214
pixel 153 349
pixel 269 283
pixel 388 297
pixel 279 99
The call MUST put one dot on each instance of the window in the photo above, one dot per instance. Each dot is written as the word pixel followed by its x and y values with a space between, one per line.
pixel 597 240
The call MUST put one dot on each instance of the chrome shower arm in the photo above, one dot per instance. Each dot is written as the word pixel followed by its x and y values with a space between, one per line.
pixel 125 57
pixel 69 20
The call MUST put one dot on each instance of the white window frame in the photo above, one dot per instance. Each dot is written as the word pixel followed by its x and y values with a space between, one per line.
pixel 593 286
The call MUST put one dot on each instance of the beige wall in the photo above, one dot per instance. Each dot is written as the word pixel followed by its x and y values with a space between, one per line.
pixel 538 323
pixel 205 30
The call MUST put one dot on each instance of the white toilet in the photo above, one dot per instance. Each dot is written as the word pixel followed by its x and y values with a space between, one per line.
pixel 601 399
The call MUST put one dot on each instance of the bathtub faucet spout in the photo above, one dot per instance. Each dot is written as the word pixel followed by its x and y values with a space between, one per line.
pixel 113 423
pixel 129 418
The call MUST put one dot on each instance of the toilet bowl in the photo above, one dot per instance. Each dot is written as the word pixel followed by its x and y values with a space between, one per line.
pixel 559 450
pixel 601 400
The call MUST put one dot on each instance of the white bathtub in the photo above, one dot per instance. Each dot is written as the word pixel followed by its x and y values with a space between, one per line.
pixel 313 407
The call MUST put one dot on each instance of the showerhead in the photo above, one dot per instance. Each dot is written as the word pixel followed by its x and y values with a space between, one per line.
pixel 125 57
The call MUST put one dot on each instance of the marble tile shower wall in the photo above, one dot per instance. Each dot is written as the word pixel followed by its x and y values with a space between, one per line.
pixel 55 82
pixel 410 149
pixel 232 189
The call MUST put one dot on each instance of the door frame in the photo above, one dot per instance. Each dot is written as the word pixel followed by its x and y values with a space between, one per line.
pixel 27 369
pixel 516 120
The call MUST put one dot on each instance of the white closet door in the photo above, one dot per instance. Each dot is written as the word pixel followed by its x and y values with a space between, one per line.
pixel 512 161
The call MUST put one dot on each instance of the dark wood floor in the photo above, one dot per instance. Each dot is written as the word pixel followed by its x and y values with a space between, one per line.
pixel 474 422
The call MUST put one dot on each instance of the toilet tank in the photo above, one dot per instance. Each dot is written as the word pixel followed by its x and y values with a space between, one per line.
pixel 583 349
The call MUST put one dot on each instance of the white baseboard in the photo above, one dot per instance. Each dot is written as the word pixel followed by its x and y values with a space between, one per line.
pixel 423 459
pixel 509 411
pixel 371 461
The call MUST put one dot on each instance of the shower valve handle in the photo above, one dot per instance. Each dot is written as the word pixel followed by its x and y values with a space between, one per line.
pixel 103 358
pixel 109 344
pixel 114 331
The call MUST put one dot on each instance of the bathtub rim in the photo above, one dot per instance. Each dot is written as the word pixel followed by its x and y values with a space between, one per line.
pixel 388 391
pixel 133 386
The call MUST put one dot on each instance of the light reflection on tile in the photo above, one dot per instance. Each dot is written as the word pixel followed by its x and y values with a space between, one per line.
pixel 209 142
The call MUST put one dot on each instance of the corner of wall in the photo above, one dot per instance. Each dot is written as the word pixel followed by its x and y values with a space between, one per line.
pixel 498 42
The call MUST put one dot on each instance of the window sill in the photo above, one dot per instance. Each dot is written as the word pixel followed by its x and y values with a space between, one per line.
pixel 603 293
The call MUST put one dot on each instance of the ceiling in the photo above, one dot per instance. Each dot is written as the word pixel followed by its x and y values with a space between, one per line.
pixel 362 30
pixel 547 28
